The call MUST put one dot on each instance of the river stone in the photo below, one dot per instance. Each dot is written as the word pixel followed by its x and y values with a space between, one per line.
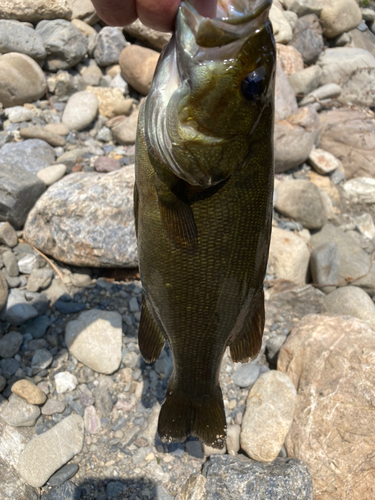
pixel 281 27
pixel 57 128
pixel 156 39
pixel 285 100
pixel 17 37
pixel 64 43
pixel 230 478
pixel 359 88
pixel 3 291
pixel 96 211
pixel 124 129
pixel 33 11
pixel 289 256
pixel 65 382
pixel 289 58
pixel 294 138
pixel 95 338
pixel 48 452
pixel 325 266
pixel 302 201
pixel 339 16
pixel 19 413
pixel 323 162
pixel 340 62
pixel 92 421
pixel 8 235
pixel 138 67
pixel 19 114
pixel 41 359
pixel 109 44
pixel 308 39
pixel 80 111
pixel 52 174
pixel 351 301
pixel 361 189
pixel 322 93
pixel 268 416
pixel 29 391
pixel 306 80
pixel 21 79
pixel 246 374
pixel 53 406
pixel 10 344
pixel 365 225
pixel 330 360
pixel 84 28
pixel 17 310
pixel 66 491
pixel 63 474
pixel 303 7
pixel 111 101
pixel 39 279
pixel 32 155
pixel 38 132
pixel 349 134
pixel 10 263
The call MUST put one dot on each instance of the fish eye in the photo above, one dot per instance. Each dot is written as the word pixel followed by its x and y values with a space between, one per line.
pixel 253 84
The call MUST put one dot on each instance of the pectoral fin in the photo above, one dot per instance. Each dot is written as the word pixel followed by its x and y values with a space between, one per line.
pixel 150 338
pixel 248 341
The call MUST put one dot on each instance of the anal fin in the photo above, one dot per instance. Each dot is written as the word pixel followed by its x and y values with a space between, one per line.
pixel 248 341
pixel 150 338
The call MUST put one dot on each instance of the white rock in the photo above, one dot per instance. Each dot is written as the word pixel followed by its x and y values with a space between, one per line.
pixel 80 111
pixel 365 225
pixel 65 381
pixel 52 174
pixel 281 27
pixel 18 114
pixel 323 162
pixel 361 189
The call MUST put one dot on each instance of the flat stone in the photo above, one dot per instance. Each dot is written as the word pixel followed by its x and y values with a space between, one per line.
pixel 305 81
pixel 351 301
pixel 156 39
pixel 32 155
pixel 361 189
pixel 19 413
pixel 41 359
pixel 57 128
pixel 80 111
pixel 29 391
pixel 10 344
pixel 52 174
pixel 111 101
pixel 308 39
pixel 8 235
pixel 39 279
pixel 330 360
pixel 246 374
pixel 109 44
pixel 138 67
pixel 84 28
pixel 66 472
pixel 69 307
pixel 48 452
pixel 38 132
pixel 65 381
pixel 322 93
pixel 325 266
pixel 53 406
pixel 339 16
pixel 95 339
pixel 10 263
pixel 100 228
pixel 17 310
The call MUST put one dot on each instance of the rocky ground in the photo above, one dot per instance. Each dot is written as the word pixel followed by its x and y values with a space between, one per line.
pixel 78 406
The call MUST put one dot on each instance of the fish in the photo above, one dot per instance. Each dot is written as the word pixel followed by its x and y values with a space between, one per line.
pixel 203 195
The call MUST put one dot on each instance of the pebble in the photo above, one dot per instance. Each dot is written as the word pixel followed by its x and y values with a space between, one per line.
pixel 325 266
pixel 57 128
pixel 194 448
pixel 19 413
pixel 305 81
pixel 39 279
pixel 351 301
pixel 95 338
pixel 19 114
pixel 109 44
pixel 52 174
pixel 8 235
pixel 92 421
pixel 9 367
pixel 323 162
pixel 274 345
pixel 65 381
pixel 69 307
pixel 246 374
pixel 31 154
pixel 62 475
pixel 67 491
pixel 48 452
pixel 139 76
pixel 268 416
pixel 361 189
pixel 304 7
pixel 29 391
pixel 10 263
pixel 53 406
pixel 17 310
pixel 80 111
pixel 308 39
pixel 38 132
pixel 105 164
pixel 156 39
pixel 233 439
pixel 41 359
pixel 10 344
pixel 290 59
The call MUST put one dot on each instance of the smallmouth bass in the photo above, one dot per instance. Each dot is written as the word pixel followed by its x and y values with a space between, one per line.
pixel 203 206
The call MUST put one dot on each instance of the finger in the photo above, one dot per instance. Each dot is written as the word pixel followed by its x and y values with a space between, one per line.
pixel 205 8
pixel 116 12
pixel 159 15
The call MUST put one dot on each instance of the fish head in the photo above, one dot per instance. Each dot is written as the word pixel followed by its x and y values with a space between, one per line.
pixel 212 91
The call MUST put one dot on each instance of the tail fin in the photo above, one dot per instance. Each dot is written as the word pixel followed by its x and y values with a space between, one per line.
pixel 182 415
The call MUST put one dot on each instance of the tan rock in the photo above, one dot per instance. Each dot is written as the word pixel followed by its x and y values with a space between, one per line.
pixel 156 39
pixel 38 132
pixel 325 184
pixel 290 58
pixel 124 129
pixel 111 101
pixel 193 489
pixel 288 257
pixel 339 16
pixel 83 27
pixel 113 70
pixel 35 10
pixel 138 67
pixel 330 360
pixel 29 391
pixel 83 9
pixel 268 416
pixel 57 128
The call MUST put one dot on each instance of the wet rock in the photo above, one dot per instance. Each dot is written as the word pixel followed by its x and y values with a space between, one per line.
pixel 361 189
pixel 268 416
pixel 17 37
pixel 156 39
pixel 109 44
pixel 19 413
pixel 64 43
pixel 351 301
pixel 301 200
pixel 289 58
pixel 80 111
pixel 339 63
pixel 21 80
pixel 339 16
pixel 32 155
pixel 289 256
pixel 10 344
pixel 138 67
pixel 29 391
pixel 63 475
pixel 325 266
pixel 306 80
pixel 65 382
pixel 329 359
pixel 17 310
pixel 308 39
pixel 246 374
pixel 49 451
pixel 111 101
pixel 94 338
pixel 8 235
pixel 350 135
pixel 52 174
pixel 37 132
pixel 34 10
pixel 281 27
pixel 100 227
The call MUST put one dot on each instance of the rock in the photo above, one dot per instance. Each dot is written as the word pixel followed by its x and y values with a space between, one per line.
pixel 297 301
pixel 339 63
pixel 361 189
pixel 33 155
pixel 84 28
pixel 66 491
pixel 29 391
pixel 289 256
pixel 351 301
pixel 304 7
pixel 19 114
pixel 37 132
pixel 63 474
pixel 323 93
pixel 301 200
pixel 308 39
pixel 17 37
pixel 53 406
pixel 27 263
pixel 10 263
pixel 80 280
pixel 3 291
pixel 362 39
pixel 111 101
pixel 69 307
pixel 39 279
pixel 83 9
pixel 306 80
pixel 92 75
pixel 52 174
pixel 57 128
pixel 281 28
pixel 49 451
pixel 21 80
pixel 323 162
pixel 119 83
pixel 289 58
pixel 326 357
pixel 233 438
pixel 64 43
pixel 274 345
pixel 109 44
pixel 124 129
pixel 295 138
pixel 80 111
pixel 9 367
pixel 95 339
pixel 71 158
pixel 8 235
pixel 246 374
pixel 17 310
pixel 285 100
pixel 102 225
pixel 3 383
pixel 41 359
pixel 65 382
pixel 10 344
pixel 241 477
pixel 325 266
pixel 350 136
pixel 37 327
pixel 105 164
pixel 339 16
pixel 19 413
pixel 138 67
pixel 268 416
pixel 368 14
pixel 92 421
pixel 33 11
pixel 156 39
pixel 365 225
pixel 359 88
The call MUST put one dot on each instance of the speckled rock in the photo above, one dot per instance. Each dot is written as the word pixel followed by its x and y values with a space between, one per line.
pixel 290 59
pixel 32 155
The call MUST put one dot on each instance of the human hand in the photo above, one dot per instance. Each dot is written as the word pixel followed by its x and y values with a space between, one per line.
pixel 157 14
